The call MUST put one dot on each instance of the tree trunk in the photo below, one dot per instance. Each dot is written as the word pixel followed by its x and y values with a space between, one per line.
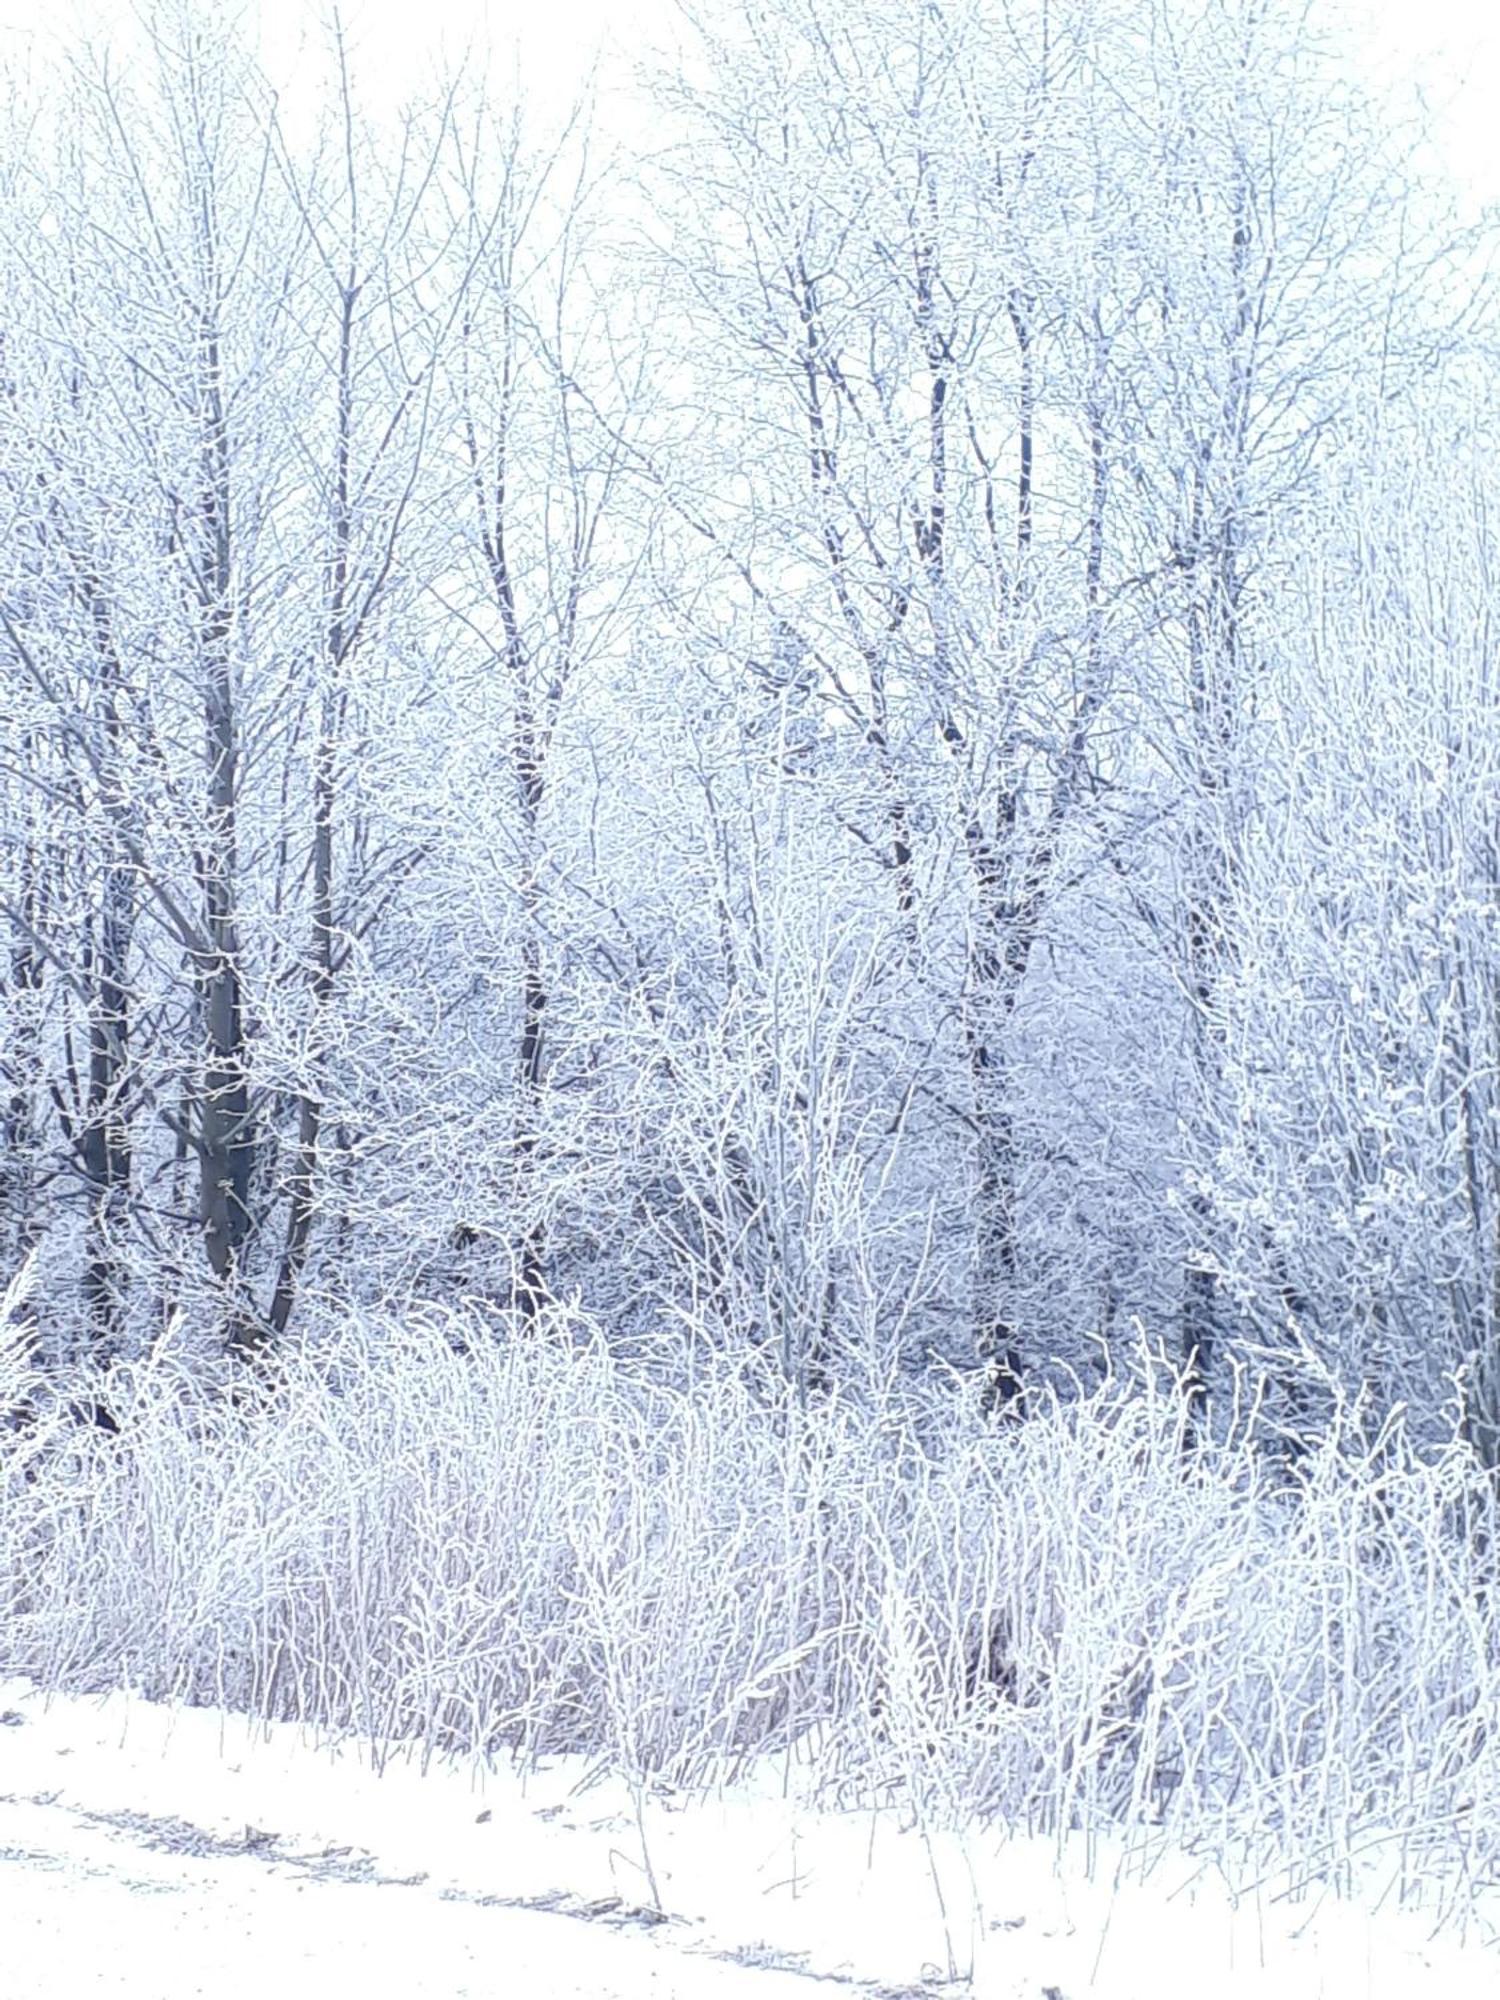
pixel 225 1133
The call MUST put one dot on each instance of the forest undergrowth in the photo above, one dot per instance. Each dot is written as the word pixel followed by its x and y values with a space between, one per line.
pixel 1077 1623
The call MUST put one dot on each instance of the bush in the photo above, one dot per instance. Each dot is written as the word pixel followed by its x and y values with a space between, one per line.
pixel 422 1533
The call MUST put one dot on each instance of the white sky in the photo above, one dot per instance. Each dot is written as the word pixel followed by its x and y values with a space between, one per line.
pixel 1450 47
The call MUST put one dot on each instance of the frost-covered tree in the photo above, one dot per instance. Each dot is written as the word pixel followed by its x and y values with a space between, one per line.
pixel 842 734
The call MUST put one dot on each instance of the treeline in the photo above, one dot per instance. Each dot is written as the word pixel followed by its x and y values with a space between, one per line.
pixel 871 731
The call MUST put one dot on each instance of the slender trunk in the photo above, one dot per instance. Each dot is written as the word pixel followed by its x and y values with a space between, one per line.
pixel 1018 307
pixel 304 1180
pixel 531 1275
pixel 226 1125
pixel 996 1330
pixel 20 1077
pixel 1215 683
pixel 1008 892
pixel 1475 1112
pixel 533 716
pixel 1214 667
pixel 304 1183
pixel 105 1136
pixel 820 385
pixel 1214 678
pixel 106 1132
pixel 1003 925
pixel 1011 866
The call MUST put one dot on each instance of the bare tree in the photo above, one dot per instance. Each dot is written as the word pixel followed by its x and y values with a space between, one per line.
pixel 546 411
pixel 382 274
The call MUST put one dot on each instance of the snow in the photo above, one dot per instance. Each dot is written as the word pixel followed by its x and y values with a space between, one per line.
pixel 162 1852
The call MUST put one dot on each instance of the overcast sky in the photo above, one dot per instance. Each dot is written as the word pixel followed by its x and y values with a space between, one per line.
pixel 1451 46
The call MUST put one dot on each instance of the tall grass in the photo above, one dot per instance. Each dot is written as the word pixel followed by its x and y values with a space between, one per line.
pixel 1072 1623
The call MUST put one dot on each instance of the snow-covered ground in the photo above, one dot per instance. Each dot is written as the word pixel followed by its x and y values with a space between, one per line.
pixel 165 1852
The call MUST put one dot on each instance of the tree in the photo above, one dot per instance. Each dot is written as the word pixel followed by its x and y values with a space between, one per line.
pixel 382 297
pixel 547 552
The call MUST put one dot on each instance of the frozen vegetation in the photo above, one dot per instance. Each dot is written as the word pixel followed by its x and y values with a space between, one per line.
pixel 1080 1644
pixel 750 954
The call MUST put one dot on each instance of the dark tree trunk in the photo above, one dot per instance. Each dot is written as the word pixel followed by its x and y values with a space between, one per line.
pixel 106 1132
pixel 20 1079
pixel 225 1127
pixel 302 1210
pixel 531 1273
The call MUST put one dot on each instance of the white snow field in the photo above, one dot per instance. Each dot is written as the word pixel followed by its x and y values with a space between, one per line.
pixel 162 1852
